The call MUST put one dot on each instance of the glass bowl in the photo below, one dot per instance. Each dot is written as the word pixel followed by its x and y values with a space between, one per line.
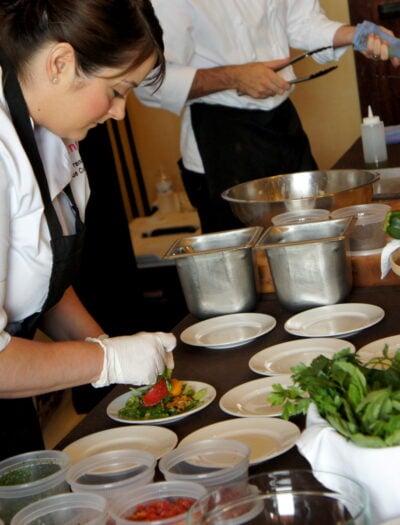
pixel 290 497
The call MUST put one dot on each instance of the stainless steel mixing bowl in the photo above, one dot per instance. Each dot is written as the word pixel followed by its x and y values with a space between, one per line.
pixel 255 202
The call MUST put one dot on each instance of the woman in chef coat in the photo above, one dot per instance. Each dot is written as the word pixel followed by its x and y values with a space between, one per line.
pixel 66 66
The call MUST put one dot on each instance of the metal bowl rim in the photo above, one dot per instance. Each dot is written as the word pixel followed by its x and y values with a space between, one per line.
pixel 224 194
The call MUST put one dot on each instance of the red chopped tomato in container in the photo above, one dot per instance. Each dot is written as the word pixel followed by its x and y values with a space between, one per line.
pixel 160 509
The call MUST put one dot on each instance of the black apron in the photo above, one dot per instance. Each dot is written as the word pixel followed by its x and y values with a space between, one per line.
pixel 237 145
pixel 20 428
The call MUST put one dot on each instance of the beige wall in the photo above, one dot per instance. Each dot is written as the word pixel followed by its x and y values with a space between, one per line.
pixel 156 133
pixel 329 108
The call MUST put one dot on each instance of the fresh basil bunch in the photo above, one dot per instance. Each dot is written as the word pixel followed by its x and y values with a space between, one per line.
pixel 361 401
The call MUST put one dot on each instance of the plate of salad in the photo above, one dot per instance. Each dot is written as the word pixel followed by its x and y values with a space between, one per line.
pixel 165 401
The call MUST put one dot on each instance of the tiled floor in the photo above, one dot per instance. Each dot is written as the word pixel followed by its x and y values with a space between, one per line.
pixel 61 422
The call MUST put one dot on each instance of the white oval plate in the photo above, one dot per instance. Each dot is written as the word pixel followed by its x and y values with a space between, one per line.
pixel 156 440
pixel 375 348
pixel 267 437
pixel 279 359
pixel 250 399
pixel 119 402
pixel 227 331
pixel 334 320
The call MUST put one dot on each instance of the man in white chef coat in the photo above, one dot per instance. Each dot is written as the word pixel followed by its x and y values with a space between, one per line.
pixel 238 122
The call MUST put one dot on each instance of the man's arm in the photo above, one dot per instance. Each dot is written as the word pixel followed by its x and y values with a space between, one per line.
pixel 255 79
pixel 259 80
pixel 377 49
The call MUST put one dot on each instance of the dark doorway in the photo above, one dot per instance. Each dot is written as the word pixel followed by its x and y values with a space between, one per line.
pixel 378 82
pixel 108 283
pixel 123 298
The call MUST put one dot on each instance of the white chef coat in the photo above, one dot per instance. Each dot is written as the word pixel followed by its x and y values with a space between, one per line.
pixel 25 251
pixel 209 33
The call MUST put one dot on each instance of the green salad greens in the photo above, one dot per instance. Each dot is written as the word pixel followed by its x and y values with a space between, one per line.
pixel 168 403
pixel 360 400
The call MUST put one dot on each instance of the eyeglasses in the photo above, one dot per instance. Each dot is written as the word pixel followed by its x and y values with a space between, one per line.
pixel 320 73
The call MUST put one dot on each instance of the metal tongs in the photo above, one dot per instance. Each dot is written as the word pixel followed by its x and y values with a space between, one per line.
pixel 313 75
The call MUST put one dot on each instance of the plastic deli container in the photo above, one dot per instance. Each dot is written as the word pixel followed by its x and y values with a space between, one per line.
pixel 210 462
pixel 85 509
pixel 300 216
pixel 367 233
pixel 145 504
pixel 112 473
pixel 30 477
pixel 200 512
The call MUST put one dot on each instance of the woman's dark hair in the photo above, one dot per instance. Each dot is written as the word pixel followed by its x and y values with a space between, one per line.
pixel 103 33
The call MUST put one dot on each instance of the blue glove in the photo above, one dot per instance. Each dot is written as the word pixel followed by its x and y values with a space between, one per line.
pixel 366 28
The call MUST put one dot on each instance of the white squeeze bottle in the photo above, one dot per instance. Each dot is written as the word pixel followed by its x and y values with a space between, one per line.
pixel 166 197
pixel 373 139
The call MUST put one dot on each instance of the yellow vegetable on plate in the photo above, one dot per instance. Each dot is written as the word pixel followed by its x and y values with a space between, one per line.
pixel 176 387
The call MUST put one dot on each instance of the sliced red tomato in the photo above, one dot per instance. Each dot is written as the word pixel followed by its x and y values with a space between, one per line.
pixel 156 393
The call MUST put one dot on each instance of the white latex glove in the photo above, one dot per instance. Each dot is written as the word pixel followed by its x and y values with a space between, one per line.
pixel 135 359
pixel 385 256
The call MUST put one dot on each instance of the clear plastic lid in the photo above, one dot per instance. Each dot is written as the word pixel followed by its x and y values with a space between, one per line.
pixel 364 213
pixel 85 509
pixel 210 462
pixel 32 472
pixel 300 216
pixel 112 471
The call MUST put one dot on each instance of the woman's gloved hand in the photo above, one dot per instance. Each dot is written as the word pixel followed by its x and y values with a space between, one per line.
pixel 135 359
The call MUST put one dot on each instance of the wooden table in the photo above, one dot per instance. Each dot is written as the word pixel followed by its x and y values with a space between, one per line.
pixel 225 369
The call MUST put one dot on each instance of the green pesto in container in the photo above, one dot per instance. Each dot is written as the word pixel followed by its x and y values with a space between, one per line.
pixel 28 473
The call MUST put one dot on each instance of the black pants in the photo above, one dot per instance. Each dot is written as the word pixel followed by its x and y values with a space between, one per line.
pixel 239 145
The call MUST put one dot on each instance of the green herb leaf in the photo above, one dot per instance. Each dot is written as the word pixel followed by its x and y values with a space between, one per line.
pixel 361 401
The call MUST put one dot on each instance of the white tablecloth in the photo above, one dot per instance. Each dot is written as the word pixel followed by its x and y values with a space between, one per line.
pixel 377 468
